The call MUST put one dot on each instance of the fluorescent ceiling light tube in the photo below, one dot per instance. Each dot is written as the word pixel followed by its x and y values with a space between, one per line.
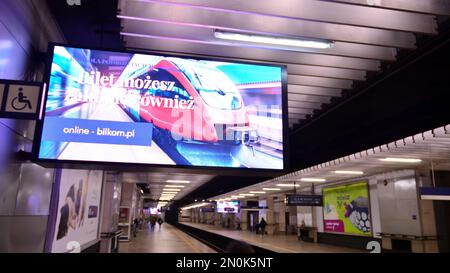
pixel 310 179
pixel 179 181
pixel 195 206
pixel 236 196
pixel 287 185
pixel 258 192
pixel 174 186
pixel 271 189
pixel 246 194
pixel 171 189
pixel 348 172
pixel 273 40
pixel 401 160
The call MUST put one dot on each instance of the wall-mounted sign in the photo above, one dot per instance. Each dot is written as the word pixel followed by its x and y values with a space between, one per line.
pixel 304 200
pixel 77 214
pixel 438 193
pixel 20 100
pixel 347 209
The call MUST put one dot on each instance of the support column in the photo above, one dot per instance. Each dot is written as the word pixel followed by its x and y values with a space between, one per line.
pixel 244 216
pixel 110 212
pixel 269 216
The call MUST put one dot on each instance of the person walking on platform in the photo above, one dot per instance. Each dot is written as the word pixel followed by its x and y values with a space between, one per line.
pixel 135 226
pixel 152 223
pixel 262 226
pixel 160 222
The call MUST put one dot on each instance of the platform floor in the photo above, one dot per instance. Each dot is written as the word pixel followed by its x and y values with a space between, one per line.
pixel 167 240
pixel 277 243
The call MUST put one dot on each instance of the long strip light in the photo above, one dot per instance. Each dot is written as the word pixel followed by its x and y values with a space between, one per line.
pixel 310 179
pixel 348 172
pixel 401 160
pixel 246 194
pixel 272 40
pixel 174 186
pixel 271 189
pixel 258 192
pixel 171 189
pixel 195 206
pixel 287 185
pixel 178 181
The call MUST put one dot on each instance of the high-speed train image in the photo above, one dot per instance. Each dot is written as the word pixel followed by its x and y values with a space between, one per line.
pixel 197 102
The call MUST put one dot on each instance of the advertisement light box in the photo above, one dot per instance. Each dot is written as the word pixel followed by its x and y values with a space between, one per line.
pixel 154 110
pixel 347 209
pixel 227 207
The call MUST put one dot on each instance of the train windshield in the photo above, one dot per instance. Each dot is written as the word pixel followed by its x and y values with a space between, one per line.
pixel 214 87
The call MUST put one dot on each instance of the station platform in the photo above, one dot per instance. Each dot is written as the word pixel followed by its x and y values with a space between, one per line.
pixel 278 243
pixel 167 240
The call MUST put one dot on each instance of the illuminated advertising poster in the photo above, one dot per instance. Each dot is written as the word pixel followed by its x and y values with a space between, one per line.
pixel 106 106
pixel 228 207
pixel 78 209
pixel 346 209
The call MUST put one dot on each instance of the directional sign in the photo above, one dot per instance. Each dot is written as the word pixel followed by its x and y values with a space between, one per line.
pixel 20 100
pixel 304 200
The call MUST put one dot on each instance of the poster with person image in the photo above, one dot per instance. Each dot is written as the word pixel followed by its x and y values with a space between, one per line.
pixel 346 209
pixel 78 209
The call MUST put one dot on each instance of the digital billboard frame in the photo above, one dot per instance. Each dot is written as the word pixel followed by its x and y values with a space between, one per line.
pixel 56 163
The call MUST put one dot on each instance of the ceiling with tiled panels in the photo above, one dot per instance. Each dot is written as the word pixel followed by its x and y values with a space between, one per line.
pixel 365 34
pixel 156 181
pixel 431 148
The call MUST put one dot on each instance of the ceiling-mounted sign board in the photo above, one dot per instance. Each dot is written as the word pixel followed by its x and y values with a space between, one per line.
pixel 20 100
pixel 438 193
pixel 304 200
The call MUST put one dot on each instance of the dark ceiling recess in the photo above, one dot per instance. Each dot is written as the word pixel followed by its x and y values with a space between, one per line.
pixel 93 23
pixel 410 97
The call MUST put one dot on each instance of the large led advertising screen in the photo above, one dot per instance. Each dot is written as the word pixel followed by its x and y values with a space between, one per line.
pixel 127 107
pixel 347 210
